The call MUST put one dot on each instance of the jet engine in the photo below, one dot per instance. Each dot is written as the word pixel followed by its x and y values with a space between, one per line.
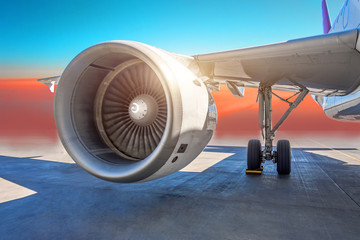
pixel 129 112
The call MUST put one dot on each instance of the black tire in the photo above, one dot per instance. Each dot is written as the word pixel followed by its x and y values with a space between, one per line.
pixel 283 157
pixel 254 154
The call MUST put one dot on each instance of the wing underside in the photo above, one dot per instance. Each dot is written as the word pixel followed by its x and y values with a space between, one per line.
pixel 326 65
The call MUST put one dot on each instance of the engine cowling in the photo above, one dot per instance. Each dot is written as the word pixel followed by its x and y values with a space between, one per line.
pixel 129 112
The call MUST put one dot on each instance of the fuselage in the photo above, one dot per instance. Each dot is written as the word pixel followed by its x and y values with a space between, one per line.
pixel 344 108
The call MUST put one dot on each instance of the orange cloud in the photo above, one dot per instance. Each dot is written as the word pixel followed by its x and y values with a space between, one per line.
pixel 239 116
pixel 27 110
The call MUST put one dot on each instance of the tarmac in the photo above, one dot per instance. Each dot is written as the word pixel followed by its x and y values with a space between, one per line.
pixel 45 195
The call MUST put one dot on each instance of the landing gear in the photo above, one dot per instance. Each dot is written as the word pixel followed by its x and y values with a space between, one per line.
pixel 254 154
pixel 282 155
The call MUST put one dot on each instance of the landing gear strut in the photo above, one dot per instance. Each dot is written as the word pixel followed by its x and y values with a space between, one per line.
pixel 282 155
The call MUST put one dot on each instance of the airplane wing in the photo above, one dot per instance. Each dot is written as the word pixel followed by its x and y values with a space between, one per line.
pixel 50 82
pixel 327 65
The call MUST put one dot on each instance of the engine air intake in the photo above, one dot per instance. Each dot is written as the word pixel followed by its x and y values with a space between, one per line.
pixel 124 109
pixel 131 110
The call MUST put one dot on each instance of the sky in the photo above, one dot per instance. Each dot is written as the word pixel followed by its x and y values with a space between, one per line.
pixel 39 38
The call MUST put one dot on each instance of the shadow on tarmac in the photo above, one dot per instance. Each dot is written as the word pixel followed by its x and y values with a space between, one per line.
pixel 320 198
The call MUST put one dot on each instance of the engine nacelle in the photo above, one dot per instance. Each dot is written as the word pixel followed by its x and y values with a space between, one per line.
pixel 129 112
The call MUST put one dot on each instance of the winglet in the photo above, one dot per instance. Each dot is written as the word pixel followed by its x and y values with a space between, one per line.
pixel 326 17
pixel 50 82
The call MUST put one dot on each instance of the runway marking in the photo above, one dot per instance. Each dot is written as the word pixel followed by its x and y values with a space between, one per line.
pixel 205 160
pixel 338 151
pixel 11 191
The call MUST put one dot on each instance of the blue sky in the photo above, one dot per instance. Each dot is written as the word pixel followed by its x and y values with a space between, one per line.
pixel 39 38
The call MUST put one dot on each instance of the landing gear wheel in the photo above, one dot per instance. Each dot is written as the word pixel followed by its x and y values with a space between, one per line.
pixel 283 157
pixel 254 154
